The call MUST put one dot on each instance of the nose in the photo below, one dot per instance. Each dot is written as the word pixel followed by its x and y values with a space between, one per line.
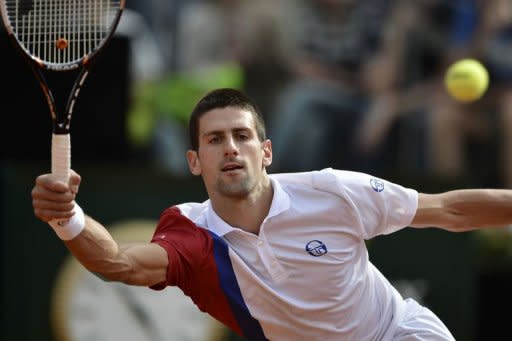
pixel 231 148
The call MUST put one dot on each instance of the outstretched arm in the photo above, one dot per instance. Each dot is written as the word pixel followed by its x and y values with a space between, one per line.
pixel 464 210
pixel 142 264
pixel 135 263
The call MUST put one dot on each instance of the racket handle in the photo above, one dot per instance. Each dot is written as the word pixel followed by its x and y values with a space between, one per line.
pixel 61 162
pixel 61 156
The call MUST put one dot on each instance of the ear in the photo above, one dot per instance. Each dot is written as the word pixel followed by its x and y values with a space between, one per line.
pixel 267 153
pixel 193 162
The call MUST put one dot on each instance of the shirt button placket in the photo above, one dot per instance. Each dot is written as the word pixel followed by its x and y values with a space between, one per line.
pixel 263 252
pixel 268 259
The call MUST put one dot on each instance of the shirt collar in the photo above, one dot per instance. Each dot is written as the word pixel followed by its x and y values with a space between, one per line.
pixel 280 203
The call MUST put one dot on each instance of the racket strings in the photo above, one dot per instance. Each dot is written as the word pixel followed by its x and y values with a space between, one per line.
pixel 61 31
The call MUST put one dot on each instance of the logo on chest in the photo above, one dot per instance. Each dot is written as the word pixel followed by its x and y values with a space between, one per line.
pixel 316 248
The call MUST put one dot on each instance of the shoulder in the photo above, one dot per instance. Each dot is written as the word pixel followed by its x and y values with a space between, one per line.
pixel 181 235
pixel 190 210
pixel 292 178
pixel 327 179
pixel 345 184
pixel 184 216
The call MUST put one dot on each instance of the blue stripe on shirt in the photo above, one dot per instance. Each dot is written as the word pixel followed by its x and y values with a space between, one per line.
pixel 251 328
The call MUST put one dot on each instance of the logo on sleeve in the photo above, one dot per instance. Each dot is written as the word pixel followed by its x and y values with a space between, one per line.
pixel 316 248
pixel 377 185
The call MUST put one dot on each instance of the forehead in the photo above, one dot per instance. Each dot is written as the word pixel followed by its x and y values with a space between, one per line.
pixel 225 119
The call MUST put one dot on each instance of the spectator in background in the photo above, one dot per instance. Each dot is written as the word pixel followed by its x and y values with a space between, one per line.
pixel 219 43
pixel 208 34
pixel 147 61
pixel 265 50
pixel 497 55
pixel 206 56
pixel 450 125
pixel 241 34
pixel 146 64
pixel 462 134
pixel 334 42
pixel 405 75
pixel 162 17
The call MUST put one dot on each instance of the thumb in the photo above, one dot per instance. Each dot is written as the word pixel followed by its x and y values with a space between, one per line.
pixel 74 181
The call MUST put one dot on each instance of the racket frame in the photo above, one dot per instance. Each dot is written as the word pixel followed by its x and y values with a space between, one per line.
pixel 61 141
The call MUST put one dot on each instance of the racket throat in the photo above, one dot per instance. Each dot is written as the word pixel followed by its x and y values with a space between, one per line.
pixel 61 128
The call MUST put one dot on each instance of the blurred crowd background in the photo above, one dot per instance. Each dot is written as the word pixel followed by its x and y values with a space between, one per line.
pixel 349 84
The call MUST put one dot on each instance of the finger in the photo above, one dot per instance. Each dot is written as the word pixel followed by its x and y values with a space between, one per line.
pixel 53 206
pixel 74 181
pixel 47 211
pixel 50 182
pixel 42 193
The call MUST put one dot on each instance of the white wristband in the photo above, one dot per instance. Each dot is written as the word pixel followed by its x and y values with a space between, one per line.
pixel 67 230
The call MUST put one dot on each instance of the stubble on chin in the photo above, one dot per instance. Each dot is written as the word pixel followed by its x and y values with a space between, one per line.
pixel 238 190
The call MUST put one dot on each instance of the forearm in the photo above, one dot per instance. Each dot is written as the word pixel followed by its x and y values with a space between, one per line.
pixel 90 243
pixel 482 207
pixel 137 263
pixel 95 248
pixel 463 210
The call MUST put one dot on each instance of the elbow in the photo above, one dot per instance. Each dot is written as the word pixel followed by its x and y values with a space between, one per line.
pixel 121 277
pixel 123 274
pixel 102 277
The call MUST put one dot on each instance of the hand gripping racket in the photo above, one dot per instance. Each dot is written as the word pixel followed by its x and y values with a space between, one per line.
pixel 61 35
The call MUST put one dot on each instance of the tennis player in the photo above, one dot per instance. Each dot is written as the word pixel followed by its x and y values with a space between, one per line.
pixel 274 256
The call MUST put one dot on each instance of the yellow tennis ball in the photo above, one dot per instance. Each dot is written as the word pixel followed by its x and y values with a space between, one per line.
pixel 466 80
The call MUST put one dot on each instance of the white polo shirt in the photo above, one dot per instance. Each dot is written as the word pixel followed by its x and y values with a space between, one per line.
pixel 307 275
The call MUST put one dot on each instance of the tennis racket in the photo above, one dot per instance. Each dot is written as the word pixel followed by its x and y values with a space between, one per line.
pixel 61 35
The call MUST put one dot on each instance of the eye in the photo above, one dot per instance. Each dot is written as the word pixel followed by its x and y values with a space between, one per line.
pixel 214 140
pixel 243 136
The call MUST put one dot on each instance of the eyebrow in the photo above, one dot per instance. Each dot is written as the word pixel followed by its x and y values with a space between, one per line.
pixel 223 132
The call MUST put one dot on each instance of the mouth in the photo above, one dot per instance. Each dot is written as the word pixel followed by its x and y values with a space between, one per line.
pixel 231 167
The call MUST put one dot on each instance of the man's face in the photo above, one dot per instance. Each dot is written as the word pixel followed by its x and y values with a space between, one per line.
pixel 230 157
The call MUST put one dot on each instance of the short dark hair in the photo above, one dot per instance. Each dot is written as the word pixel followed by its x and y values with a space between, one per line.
pixel 222 98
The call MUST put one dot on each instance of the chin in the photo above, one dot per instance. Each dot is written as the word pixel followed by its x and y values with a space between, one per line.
pixel 240 189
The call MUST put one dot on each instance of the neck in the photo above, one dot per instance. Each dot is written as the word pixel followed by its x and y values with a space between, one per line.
pixel 246 213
